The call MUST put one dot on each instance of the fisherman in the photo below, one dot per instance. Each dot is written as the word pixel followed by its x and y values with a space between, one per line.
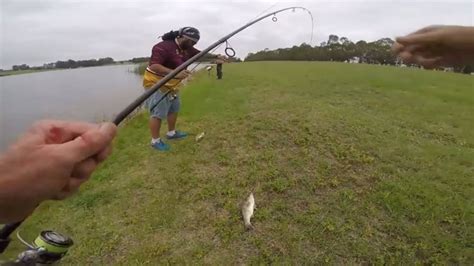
pixel 219 63
pixel 175 48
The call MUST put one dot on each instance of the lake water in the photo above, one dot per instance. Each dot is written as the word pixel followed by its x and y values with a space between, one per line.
pixel 88 94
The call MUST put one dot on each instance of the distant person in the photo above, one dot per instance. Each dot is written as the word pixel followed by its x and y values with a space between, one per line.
pixel 219 61
pixel 219 68
pixel 175 48
pixel 436 46
pixel 50 161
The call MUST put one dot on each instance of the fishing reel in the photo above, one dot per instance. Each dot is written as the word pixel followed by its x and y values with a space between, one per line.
pixel 48 248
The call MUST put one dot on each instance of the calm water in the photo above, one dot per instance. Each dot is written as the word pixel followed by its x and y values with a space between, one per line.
pixel 88 94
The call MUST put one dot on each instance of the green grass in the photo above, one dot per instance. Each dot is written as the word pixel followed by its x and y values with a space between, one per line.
pixel 140 68
pixel 348 163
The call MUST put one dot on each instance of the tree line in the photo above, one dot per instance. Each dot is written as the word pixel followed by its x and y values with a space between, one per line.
pixel 68 64
pixel 84 63
pixel 98 62
pixel 336 48
pixel 343 50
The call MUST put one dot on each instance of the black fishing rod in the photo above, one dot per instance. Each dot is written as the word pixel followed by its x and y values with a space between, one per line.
pixel 8 229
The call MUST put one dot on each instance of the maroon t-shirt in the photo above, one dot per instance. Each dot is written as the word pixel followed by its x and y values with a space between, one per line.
pixel 168 54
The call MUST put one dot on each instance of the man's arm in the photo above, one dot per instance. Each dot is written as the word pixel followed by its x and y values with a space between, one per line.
pixel 160 69
pixel 157 59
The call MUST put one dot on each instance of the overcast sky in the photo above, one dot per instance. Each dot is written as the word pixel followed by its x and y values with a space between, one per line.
pixel 36 31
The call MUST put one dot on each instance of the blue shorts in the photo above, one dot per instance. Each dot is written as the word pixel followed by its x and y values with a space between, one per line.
pixel 168 105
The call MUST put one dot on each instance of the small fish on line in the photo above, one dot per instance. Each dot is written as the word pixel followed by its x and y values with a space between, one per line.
pixel 247 211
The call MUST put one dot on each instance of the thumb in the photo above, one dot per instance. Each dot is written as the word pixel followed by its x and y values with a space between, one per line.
pixel 89 143
pixel 419 38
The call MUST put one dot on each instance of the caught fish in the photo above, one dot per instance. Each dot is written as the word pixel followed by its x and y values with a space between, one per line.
pixel 247 211
pixel 200 137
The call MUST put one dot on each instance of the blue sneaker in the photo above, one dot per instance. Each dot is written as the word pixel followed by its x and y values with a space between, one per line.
pixel 177 135
pixel 161 146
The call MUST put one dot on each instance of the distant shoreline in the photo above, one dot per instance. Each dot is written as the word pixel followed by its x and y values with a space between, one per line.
pixel 19 72
pixel 27 71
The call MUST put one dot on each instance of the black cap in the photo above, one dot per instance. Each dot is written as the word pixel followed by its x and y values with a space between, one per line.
pixel 190 33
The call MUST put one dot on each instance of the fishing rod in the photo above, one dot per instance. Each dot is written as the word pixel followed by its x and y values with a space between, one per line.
pixel 53 240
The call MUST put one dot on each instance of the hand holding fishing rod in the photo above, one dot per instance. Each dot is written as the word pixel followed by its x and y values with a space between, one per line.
pixel 183 74
pixel 52 160
pixel 49 162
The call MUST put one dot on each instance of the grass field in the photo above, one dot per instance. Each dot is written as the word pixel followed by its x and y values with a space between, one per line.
pixel 348 164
